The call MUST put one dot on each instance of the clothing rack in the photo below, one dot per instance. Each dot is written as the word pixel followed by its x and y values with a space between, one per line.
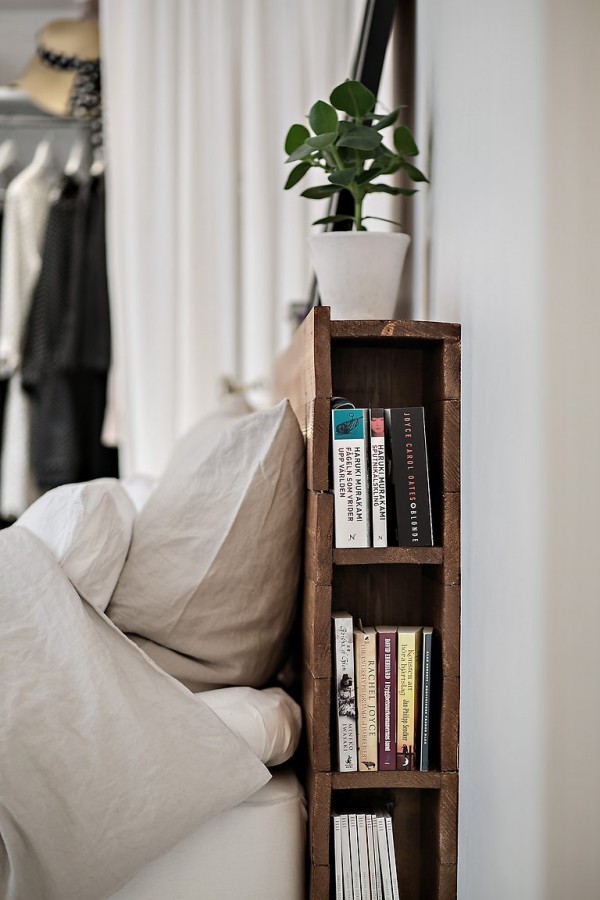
pixel 17 110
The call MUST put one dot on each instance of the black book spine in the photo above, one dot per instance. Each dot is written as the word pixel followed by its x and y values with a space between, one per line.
pixel 410 476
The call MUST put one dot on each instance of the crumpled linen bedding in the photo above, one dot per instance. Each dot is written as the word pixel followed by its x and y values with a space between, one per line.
pixel 105 760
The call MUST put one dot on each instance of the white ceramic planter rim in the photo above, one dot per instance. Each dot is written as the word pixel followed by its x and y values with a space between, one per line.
pixel 358 272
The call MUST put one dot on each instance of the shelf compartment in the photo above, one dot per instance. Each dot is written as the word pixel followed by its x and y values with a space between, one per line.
pixel 424 824
pixel 376 556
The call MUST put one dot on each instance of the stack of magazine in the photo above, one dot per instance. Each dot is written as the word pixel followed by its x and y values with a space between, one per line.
pixel 382 679
pixel 380 477
pixel 364 856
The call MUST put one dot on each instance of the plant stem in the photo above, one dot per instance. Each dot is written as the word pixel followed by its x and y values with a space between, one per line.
pixel 358 202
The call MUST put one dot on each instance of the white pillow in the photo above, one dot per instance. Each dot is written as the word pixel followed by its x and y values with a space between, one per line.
pixel 87 527
pixel 106 762
pixel 269 720
pixel 212 572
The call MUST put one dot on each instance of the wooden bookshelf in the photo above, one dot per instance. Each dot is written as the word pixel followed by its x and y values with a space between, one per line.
pixel 381 364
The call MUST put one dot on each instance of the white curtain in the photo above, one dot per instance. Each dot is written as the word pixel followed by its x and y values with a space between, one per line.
pixel 206 250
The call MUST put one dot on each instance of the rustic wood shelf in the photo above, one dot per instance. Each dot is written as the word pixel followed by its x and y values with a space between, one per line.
pixel 343 781
pixel 377 556
pixel 381 364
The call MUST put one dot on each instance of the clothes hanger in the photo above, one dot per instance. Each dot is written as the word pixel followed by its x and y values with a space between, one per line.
pixel 77 165
pixel 8 155
pixel 44 158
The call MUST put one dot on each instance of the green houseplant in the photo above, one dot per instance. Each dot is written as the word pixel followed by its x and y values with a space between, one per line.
pixel 358 271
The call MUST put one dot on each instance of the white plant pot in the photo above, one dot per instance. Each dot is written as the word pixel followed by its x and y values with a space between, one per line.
pixel 358 272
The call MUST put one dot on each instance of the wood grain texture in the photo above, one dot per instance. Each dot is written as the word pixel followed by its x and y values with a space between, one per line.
pixel 449 717
pixel 443 445
pixel 451 538
pixel 316 628
pixel 319 878
pixel 303 371
pixel 316 704
pixel 318 791
pixel 447 878
pixel 377 556
pixel 369 329
pixel 448 822
pixel 348 781
pixel 444 383
pixel 318 431
pixel 319 537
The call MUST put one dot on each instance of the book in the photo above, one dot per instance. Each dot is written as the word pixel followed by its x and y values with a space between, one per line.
pixel 363 856
pixel 373 853
pixel 337 857
pixel 405 428
pixel 392 857
pixel 377 453
pixel 365 658
pixel 354 857
pixel 425 699
pixel 346 863
pixel 350 477
pixel 409 670
pixel 384 859
pixel 345 697
pixel 387 677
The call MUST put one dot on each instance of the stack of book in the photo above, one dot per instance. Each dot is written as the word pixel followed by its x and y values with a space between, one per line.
pixel 383 695
pixel 380 477
pixel 364 857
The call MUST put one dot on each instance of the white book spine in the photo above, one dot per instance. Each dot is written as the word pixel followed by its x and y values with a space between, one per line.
pixel 392 856
pixel 370 860
pixel 363 855
pixel 345 693
pixel 337 851
pixel 354 857
pixel 376 860
pixel 384 859
pixel 378 479
pixel 350 477
pixel 346 865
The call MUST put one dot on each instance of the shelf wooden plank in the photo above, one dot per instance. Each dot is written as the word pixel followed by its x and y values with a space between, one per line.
pixel 373 556
pixel 382 328
pixel 342 781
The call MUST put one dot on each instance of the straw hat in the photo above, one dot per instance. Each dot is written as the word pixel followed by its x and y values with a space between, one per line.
pixel 66 63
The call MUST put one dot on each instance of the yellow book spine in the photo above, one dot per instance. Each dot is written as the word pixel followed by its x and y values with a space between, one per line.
pixel 409 652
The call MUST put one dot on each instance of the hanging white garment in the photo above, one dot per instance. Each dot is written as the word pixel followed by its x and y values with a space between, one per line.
pixel 25 214
pixel 205 249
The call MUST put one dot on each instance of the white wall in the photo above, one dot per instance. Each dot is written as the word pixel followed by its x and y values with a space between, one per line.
pixel 508 235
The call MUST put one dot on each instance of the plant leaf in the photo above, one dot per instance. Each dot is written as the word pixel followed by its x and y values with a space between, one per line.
pixel 322 140
pixel 295 137
pixel 353 98
pixel 382 189
pixel 413 173
pixel 323 118
pixel 326 220
pixel 301 152
pixel 386 121
pixel 361 137
pixel 297 174
pixel 343 177
pixel 318 193
pixel 404 142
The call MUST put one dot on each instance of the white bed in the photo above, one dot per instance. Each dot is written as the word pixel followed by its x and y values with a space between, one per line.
pixel 252 852
pixel 123 772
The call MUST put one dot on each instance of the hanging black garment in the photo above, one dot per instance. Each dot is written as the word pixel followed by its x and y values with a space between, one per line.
pixel 66 353
pixel 87 346
pixel 55 445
